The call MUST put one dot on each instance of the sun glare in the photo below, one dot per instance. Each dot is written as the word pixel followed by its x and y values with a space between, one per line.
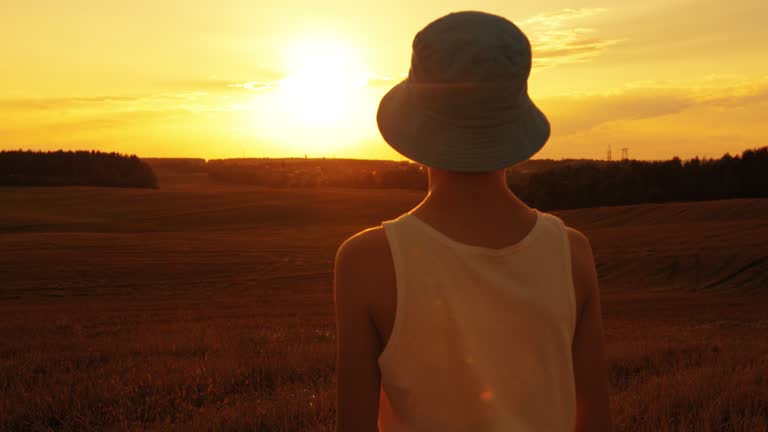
pixel 322 84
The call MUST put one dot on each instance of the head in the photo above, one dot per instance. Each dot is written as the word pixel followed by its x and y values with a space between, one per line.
pixel 464 111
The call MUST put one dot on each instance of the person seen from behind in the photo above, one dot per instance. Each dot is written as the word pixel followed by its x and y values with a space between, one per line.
pixel 471 311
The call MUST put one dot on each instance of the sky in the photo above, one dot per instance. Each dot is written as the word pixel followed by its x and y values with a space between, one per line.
pixel 247 78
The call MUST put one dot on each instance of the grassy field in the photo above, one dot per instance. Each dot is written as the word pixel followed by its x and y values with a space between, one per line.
pixel 200 307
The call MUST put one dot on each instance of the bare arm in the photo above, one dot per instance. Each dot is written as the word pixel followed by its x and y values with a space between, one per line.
pixel 358 345
pixel 593 413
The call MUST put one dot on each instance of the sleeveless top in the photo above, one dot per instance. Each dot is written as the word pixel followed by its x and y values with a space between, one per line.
pixel 481 339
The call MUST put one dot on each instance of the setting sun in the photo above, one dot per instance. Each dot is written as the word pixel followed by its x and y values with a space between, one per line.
pixel 324 78
pixel 321 105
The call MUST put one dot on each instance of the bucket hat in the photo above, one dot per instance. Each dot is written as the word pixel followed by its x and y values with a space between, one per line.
pixel 464 105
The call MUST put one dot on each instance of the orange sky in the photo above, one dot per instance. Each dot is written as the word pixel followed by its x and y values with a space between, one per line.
pixel 232 78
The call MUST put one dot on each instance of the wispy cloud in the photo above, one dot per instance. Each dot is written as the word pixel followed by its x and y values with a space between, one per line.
pixel 255 85
pixel 382 80
pixel 658 120
pixel 60 102
pixel 70 102
pixel 555 19
pixel 576 114
pixel 48 121
pixel 371 80
pixel 556 39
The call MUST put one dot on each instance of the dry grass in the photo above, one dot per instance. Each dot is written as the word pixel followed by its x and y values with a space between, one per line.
pixel 212 365
pixel 693 377
pixel 143 365
pixel 211 310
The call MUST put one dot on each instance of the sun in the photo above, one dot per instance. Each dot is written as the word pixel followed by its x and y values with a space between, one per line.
pixel 323 106
pixel 325 78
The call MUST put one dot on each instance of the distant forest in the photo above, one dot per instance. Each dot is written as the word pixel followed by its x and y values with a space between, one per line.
pixel 74 168
pixel 319 172
pixel 542 183
pixel 595 183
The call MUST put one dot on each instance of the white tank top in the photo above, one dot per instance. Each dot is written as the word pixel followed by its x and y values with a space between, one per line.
pixel 482 337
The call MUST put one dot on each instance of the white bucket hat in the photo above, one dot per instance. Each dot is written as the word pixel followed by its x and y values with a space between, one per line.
pixel 464 105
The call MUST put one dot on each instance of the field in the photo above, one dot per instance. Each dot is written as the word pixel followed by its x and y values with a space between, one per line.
pixel 203 307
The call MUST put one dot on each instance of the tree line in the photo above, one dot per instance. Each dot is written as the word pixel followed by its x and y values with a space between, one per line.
pixel 318 173
pixel 544 184
pixel 596 183
pixel 74 168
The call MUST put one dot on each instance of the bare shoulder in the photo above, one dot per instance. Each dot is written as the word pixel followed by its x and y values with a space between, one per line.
pixel 364 248
pixel 364 277
pixel 582 267
pixel 580 244
pixel 364 261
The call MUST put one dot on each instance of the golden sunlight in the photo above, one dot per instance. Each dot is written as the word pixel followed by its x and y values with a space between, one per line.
pixel 324 77
pixel 323 106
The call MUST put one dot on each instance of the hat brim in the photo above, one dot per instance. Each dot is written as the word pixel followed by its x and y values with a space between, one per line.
pixel 437 142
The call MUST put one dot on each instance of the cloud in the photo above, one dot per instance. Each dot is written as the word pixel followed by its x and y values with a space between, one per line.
pixel 574 114
pixel 556 41
pixel 581 113
pixel 371 80
pixel 189 101
pixel 382 80
pixel 60 102
pixel 255 85
pixel 749 94
pixel 92 131
pixel 659 121
pixel 555 19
